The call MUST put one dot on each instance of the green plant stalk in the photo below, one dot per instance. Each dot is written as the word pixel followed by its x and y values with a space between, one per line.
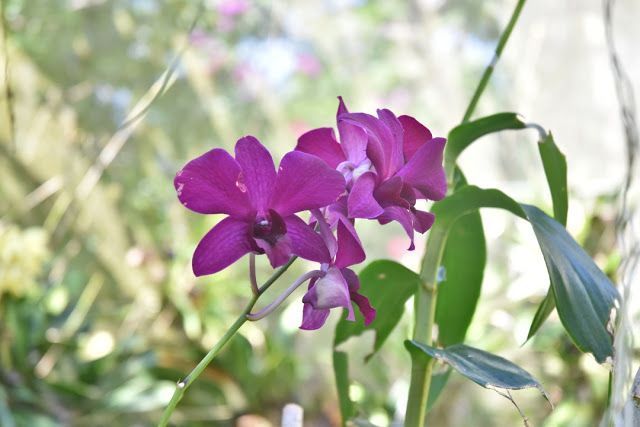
pixel 425 312
pixel 504 37
pixel 426 296
pixel 185 383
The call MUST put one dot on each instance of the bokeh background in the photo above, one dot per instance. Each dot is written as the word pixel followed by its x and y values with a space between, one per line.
pixel 103 101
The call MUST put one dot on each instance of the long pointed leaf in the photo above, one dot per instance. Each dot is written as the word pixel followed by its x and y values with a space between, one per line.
pixel 583 294
pixel 555 169
pixel 483 368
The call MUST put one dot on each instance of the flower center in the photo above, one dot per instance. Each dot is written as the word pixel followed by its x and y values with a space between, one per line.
pixel 269 227
pixel 351 171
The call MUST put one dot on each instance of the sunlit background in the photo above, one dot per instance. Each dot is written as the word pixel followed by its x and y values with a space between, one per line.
pixel 103 101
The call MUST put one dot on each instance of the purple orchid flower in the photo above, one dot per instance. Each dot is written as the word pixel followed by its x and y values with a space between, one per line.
pixel 388 163
pixel 339 285
pixel 260 203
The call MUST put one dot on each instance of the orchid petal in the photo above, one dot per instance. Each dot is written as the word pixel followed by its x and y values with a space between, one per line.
pixel 312 318
pixel 389 193
pixel 305 182
pixel 403 216
pixel 209 185
pixel 258 171
pixel 224 244
pixel 375 146
pixel 361 203
pixel 423 221
pixel 350 249
pixel 368 312
pixel 322 143
pixel 305 242
pixel 325 232
pixel 395 143
pixel 279 252
pixel 353 140
pixel 415 136
pixel 425 172
pixel 342 108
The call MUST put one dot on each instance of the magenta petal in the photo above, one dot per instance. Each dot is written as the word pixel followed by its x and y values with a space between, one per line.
pixel 423 221
pixel 325 232
pixel 425 172
pixel 221 246
pixel 403 216
pixel 313 318
pixel 305 242
pixel 361 203
pixel 368 312
pixel 375 146
pixel 350 251
pixel 395 143
pixel 279 252
pixel 390 193
pixel 415 136
pixel 353 140
pixel 305 182
pixel 258 171
pixel 322 143
pixel 342 108
pixel 209 185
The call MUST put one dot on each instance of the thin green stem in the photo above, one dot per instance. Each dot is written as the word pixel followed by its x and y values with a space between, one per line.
pixel 496 57
pixel 425 309
pixel 426 296
pixel 184 384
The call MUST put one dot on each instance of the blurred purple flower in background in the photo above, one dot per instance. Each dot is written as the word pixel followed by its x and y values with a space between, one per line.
pixel 260 204
pixel 232 8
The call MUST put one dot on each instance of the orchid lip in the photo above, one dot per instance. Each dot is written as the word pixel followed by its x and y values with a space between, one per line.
pixel 270 227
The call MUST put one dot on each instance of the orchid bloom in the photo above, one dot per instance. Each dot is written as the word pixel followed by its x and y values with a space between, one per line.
pixel 339 285
pixel 388 163
pixel 260 203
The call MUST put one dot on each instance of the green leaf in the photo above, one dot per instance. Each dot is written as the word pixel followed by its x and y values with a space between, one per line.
pixel 438 381
pixel 463 135
pixel 458 293
pixel 469 199
pixel 483 368
pixel 555 169
pixel 583 294
pixel 341 375
pixel 388 285
pixel 542 313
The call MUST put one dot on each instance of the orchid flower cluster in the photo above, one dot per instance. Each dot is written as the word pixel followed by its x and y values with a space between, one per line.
pixel 377 170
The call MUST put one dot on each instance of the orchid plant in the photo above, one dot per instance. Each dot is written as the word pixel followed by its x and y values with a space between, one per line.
pixel 376 169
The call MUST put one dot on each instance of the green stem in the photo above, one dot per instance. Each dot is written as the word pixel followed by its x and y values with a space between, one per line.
pixel 425 310
pixel 185 383
pixel 489 70
pixel 426 296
